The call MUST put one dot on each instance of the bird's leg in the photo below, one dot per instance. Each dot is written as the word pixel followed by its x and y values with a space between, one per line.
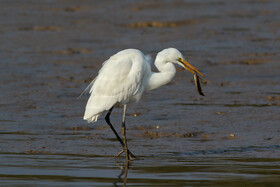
pixel 124 133
pixel 107 118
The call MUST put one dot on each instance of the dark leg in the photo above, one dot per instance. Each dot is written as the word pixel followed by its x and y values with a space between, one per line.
pixel 107 118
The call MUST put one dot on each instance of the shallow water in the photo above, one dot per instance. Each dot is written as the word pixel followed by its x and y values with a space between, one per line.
pixel 50 50
pixel 163 170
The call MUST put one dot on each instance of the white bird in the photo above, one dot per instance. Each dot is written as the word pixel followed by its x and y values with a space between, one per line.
pixel 124 77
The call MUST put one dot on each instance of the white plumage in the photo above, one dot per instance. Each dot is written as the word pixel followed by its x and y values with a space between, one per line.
pixel 119 80
pixel 126 75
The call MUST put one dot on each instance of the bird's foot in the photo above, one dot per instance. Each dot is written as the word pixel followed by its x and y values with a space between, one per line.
pixel 130 155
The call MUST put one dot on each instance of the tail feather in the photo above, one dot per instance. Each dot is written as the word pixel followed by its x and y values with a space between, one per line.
pixel 92 118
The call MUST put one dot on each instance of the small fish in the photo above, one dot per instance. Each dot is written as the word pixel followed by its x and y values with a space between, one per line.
pixel 197 84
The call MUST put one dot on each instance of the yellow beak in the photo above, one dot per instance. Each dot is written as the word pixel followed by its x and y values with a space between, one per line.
pixel 189 67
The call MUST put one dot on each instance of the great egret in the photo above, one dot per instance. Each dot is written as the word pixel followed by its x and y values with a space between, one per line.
pixel 124 77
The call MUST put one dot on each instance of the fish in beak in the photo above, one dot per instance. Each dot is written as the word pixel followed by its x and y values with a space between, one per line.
pixel 195 73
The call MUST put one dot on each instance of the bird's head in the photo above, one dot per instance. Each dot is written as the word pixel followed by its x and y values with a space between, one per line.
pixel 175 56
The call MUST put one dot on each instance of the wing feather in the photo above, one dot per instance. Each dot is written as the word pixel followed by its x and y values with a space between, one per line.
pixel 117 81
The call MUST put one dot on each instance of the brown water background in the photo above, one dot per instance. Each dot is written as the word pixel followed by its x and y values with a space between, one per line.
pixel 51 49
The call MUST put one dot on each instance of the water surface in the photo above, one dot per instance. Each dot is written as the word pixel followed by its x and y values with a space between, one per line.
pixel 50 50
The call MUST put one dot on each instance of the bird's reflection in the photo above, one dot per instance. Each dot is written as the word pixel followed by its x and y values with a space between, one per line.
pixel 124 171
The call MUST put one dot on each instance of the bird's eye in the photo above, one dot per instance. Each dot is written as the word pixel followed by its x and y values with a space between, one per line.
pixel 179 59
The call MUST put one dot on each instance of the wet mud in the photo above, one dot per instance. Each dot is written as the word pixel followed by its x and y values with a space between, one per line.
pixel 51 50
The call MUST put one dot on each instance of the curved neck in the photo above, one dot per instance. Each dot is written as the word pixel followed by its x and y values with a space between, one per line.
pixel 166 72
